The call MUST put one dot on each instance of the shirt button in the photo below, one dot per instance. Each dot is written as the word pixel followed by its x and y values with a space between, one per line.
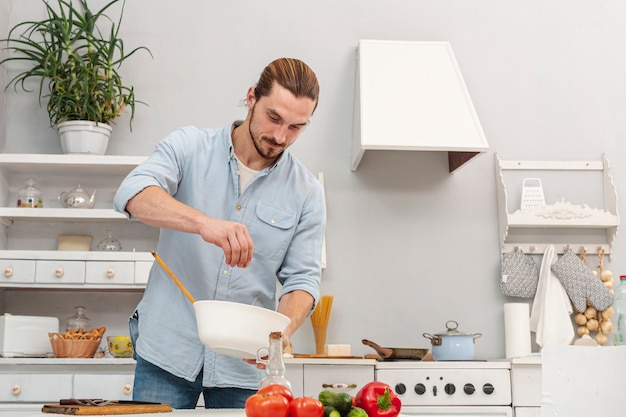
pixel 273 221
pixel 225 272
pixel 238 206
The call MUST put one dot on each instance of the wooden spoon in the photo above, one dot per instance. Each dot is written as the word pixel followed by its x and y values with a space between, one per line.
pixel 174 277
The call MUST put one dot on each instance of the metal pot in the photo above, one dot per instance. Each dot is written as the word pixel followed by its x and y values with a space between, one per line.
pixel 453 345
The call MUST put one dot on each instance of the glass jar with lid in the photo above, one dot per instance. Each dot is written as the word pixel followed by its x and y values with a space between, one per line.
pixel 30 196
pixel 79 320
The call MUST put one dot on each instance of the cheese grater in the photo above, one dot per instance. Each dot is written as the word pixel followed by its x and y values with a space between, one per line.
pixel 532 194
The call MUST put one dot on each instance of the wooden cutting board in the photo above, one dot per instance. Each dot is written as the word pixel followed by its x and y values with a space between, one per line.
pixel 307 355
pixel 109 409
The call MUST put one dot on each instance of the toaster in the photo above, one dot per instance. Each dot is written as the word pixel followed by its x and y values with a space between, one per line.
pixel 26 336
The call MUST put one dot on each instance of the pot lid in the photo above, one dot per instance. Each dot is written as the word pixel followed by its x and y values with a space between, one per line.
pixel 452 330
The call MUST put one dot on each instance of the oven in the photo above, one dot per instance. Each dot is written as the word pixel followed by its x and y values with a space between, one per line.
pixel 447 389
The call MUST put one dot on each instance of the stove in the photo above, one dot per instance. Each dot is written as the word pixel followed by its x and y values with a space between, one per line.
pixel 450 388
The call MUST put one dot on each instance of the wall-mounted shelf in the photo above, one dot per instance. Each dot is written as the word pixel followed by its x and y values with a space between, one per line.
pixel 562 219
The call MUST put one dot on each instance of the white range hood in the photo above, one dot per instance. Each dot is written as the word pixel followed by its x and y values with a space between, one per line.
pixel 410 96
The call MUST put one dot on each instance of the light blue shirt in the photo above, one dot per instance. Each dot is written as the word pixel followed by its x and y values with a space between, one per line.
pixel 284 211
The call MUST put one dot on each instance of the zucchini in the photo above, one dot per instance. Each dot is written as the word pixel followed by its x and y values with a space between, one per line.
pixel 357 412
pixel 341 401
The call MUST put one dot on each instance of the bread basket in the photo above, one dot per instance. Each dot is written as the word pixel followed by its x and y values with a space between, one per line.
pixel 76 343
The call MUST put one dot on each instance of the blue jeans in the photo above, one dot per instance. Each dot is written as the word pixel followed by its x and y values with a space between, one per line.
pixel 156 385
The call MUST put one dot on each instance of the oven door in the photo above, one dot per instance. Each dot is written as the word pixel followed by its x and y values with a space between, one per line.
pixel 457 411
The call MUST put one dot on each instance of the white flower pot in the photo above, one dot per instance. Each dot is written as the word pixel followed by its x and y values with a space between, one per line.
pixel 78 136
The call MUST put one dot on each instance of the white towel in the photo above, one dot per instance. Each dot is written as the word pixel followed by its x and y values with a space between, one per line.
pixel 550 316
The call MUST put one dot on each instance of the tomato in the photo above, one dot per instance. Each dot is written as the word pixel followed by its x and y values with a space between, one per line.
pixel 264 405
pixel 277 389
pixel 306 407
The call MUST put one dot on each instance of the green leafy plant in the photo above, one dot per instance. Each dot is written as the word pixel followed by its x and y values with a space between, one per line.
pixel 76 54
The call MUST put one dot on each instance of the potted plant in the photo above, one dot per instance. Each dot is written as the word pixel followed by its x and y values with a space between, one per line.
pixel 74 54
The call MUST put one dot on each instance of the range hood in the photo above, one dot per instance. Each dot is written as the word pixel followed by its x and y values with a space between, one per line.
pixel 410 96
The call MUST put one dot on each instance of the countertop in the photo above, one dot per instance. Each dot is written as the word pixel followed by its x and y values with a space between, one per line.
pixel 131 362
pixel 182 413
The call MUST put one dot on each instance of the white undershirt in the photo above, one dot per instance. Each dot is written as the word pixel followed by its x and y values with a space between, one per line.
pixel 245 176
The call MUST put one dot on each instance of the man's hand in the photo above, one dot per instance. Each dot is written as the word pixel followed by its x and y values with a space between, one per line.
pixel 155 207
pixel 232 237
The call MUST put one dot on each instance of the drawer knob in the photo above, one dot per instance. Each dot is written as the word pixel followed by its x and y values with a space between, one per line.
pixel 110 273
pixel 128 389
pixel 8 272
pixel 16 389
pixel 58 272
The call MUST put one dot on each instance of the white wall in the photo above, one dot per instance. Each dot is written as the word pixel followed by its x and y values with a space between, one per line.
pixel 409 245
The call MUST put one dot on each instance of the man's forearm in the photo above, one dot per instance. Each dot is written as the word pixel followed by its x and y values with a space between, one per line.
pixel 296 305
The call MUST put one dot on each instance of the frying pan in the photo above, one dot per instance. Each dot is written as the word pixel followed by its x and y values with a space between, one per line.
pixel 396 353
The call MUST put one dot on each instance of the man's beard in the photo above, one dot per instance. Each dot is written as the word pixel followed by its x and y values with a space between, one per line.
pixel 257 141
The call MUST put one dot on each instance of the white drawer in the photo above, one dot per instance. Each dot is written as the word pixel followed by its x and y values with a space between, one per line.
pixel 527 411
pixel 19 410
pixel 110 387
pixel 60 272
pixel 110 272
pixel 26 387
pixel 295 375
pixel 315 376
pixel 142 270
pixel 17 271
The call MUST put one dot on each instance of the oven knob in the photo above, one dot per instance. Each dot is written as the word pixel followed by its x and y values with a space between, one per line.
pixel 488 389
pixel 420 389
pixel 469 389
pixel 400 388
pixel 449 389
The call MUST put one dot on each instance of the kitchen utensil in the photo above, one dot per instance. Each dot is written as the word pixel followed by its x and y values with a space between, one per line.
pixel 77 198
pixel 532 194
pixel 105 408
pixel 315 355
pixel 174 278
pixel 396 353
pixel 319 321
pixel 453 345
pixel 229 328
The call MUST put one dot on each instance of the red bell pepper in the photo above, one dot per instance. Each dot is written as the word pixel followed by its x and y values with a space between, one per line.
pixel 378 400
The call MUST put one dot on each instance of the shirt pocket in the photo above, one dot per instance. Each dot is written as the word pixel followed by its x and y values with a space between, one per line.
pixel 271 230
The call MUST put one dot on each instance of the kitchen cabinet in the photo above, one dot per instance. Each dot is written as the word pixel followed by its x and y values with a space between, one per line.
pixel 26 384
pixel 561 223
pixel 526 386
pixel 28 240
pixel 310 376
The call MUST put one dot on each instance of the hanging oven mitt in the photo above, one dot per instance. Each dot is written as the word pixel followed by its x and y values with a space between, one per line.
pixel 581 284
pixel 519 274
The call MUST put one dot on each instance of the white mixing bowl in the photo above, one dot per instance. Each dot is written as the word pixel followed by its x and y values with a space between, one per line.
pixel 236 329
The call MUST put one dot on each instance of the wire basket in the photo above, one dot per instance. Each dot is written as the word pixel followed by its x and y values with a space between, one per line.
pixel 532 194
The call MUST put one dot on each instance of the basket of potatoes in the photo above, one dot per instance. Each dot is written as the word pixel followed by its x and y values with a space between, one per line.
pixel 76 343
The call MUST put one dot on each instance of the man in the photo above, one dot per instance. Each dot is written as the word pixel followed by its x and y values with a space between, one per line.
pixel 237 213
